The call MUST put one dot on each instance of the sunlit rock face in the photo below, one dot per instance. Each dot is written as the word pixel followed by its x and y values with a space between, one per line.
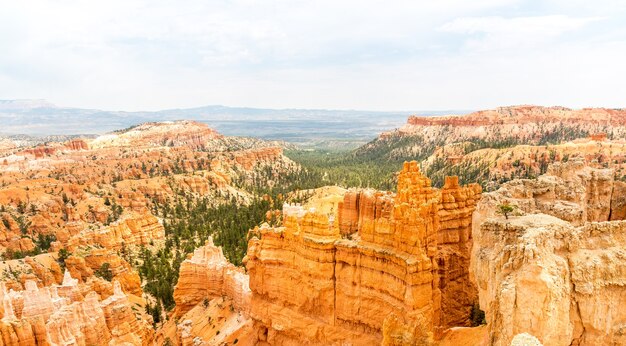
pixel 571 191
pixel 168 133
pixel 455 138
pixel 99 200
pixel 135 229
pixel 372 273
pixel 554 270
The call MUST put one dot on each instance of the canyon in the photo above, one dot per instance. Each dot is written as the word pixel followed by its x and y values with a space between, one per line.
pixel 80 218
pixel 375 267
pixel 370 276
pixel 388 268
pixel 508 231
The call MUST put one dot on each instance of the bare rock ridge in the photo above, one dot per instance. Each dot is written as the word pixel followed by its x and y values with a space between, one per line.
pixel 496 128
pixel 369 276
pixel 521 115
pixel 169 133
pixel 556 270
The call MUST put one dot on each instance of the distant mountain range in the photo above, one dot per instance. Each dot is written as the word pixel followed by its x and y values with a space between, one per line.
pixel 305 127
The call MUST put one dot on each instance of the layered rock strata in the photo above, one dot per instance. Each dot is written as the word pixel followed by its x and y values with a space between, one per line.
pixel 370 275
pixel 571 191
pixel 520 122
pixel 132 230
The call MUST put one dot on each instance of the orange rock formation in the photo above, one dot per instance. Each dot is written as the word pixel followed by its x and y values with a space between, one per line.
pixel 207 274
pixel 503 126
pixel 521 115
pixel 553 270
pixel 61 315
pixel 571 191
pixel 372 275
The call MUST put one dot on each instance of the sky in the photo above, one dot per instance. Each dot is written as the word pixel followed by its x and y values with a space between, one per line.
pixel 347 54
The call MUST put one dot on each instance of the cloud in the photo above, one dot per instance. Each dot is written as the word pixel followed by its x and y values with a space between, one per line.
pixel 369 54
pixel 489 33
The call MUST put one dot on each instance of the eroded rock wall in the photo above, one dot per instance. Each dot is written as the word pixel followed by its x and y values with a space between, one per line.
pixel 563 284
pixel 571 191
pixel 369 274
pixel 553 269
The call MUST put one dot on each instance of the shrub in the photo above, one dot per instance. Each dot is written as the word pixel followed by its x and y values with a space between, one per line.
pixel 104 272
pixel 63 255
pixel 506 209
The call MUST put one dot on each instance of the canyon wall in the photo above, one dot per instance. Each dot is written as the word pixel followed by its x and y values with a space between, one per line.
pixel 521 121
pixel 554 268
pixel 495 129
pixel 540 275
pixel 571 191
pixel 370 275
pixel 134 229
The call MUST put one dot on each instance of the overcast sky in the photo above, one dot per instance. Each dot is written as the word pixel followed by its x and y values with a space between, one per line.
pixel 338 54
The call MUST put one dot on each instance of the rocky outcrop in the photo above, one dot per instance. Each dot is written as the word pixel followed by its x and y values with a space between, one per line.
pixel 42 151
pixel 370 275
pixel 77 144
pixel 132 230
pixel 571 191
pixel 496 165
pixel 557 277
pixel 216 322
pixel 523 115
pixel 83 266
pixel 43 269
pixel 121 320
pixel 207 274
pixel 168 133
